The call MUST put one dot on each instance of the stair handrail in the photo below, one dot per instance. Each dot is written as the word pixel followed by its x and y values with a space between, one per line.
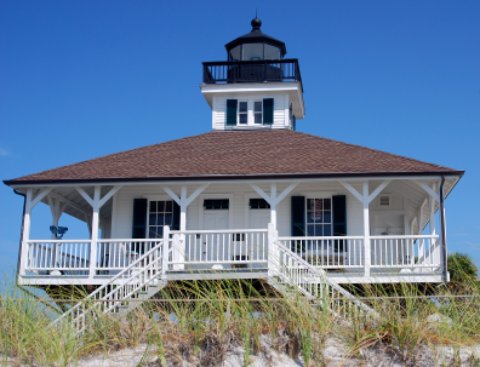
pixel 324 278
pixel 79 304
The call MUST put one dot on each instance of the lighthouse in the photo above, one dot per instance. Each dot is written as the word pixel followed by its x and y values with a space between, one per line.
pixel 256 87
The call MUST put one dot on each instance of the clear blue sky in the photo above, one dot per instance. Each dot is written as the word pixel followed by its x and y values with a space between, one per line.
pixel 81 79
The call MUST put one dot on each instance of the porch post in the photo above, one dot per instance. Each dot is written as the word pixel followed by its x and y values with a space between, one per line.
pixel 183 209
pixel 183 201
pixel 25 232
pixel 273 206
pixel 433 253
pixel 443 253
pixel 273 259
pixel 366 198
pixel 94 237
pixel 96 203
pixel 30 201
pixel 366 229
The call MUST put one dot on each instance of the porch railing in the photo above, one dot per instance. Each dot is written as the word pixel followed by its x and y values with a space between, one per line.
pixel 73 257
pixel 406 252
pixel 117 254
pixel 60 255
pixel 219 249
pixel 330 252
pixel 232 249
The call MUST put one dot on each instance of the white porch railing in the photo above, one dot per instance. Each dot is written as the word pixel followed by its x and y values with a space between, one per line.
pixel 405 252
pixel 117 254
pixel 217 249
pixel 229 250
pixel 330 252
pixel 61 255
pixel 73 257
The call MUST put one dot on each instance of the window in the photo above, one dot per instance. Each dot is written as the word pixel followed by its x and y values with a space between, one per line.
pixel 319 217
pixel 259 204
pixel 161 213
pixel 243 113
pixel 258 112
pixel 384 201
pixel 251 112
pixel 216 204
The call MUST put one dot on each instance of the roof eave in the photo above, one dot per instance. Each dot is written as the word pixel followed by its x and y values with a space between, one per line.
pixel 18 183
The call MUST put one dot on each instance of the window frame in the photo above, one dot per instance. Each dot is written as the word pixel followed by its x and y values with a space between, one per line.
pixel 149 212
pixel 315 223
pixel 243 113
pixel 254 112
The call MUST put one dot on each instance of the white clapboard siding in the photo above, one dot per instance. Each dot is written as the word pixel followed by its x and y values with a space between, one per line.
pixel 238 194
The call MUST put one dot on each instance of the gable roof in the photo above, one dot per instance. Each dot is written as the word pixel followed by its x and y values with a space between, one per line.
pixel 237 155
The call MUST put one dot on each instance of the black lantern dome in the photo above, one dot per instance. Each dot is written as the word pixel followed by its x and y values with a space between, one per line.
pixel 255 45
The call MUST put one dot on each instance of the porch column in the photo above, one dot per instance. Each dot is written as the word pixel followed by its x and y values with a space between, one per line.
pixel 31 199
pixel 443 253
pixel 97 202
pixel 183 201
pixel 366 198
pixel 273 199
pixel 94 237
pixel 435 256
pixel 366 230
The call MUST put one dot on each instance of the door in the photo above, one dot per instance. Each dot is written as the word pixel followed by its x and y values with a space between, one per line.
pixel 258 214
pixel 214 245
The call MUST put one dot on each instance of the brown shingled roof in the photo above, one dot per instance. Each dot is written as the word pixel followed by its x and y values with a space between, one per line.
pixel 237 154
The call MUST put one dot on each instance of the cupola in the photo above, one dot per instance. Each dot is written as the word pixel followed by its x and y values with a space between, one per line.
pixel 257 87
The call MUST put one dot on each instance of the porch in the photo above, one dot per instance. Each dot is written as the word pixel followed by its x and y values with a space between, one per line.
pixel 198 237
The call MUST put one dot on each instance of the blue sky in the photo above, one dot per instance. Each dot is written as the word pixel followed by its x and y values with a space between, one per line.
pixel 81 79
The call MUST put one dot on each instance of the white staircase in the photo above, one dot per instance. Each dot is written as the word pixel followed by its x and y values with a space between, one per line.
pixel 291 272
pixel 141 280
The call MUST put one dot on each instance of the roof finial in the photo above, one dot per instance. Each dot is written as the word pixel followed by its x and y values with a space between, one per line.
pixel 256 22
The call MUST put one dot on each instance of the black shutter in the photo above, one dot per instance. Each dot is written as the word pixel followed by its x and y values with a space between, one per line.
pixel 139 228
pixel 298 216
pixel 268 111
pixel 176 217
pixel 232 112
pixel 339 207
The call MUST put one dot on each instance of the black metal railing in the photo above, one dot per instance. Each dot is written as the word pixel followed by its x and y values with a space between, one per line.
pixel 224 72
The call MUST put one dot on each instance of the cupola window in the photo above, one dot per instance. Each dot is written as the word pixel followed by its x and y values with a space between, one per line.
pixel 251 112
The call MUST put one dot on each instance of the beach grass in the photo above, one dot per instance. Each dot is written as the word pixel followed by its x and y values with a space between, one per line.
pixel 203 321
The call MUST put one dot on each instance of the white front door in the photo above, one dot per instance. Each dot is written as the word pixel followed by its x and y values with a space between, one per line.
pixel 216 216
